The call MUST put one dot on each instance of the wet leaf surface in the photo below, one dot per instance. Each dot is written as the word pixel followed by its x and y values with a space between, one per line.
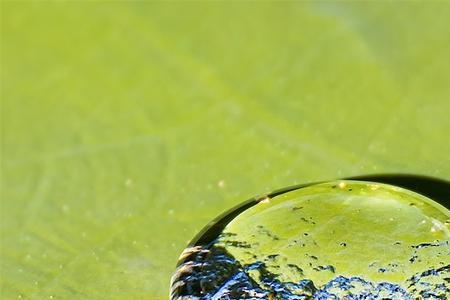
pixel 126 127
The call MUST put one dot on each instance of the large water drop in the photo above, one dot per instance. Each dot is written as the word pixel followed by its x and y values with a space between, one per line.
pixel 336 240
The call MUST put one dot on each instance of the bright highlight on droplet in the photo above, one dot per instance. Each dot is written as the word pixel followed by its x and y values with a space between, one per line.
pixel 335 240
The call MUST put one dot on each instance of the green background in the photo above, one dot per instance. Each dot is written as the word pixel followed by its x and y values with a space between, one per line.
pixel 126 126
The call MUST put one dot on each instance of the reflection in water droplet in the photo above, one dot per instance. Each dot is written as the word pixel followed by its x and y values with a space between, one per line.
pixel 337 240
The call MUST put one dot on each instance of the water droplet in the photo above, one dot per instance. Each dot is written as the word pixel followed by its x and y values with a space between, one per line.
pixel 65 208
pixel 323 241
pixel 128 182
pixel 221 184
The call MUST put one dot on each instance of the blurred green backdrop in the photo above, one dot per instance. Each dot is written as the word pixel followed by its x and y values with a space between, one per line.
pixel 127 126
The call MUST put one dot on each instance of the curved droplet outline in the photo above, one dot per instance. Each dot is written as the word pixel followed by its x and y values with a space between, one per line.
pixel 430 187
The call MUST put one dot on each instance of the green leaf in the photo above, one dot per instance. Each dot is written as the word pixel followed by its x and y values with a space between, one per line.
pixel 126 126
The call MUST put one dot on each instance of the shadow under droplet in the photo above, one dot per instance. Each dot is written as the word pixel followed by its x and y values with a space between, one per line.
pixel 433 188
